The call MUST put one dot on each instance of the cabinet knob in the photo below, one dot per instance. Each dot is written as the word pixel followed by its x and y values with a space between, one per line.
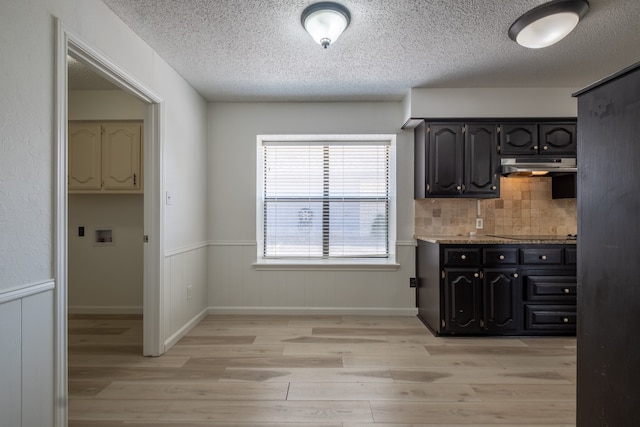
pixel 565 319
pixel 459 187
pixel 463 256
pixel 501 257
pixel 566 290
pixel 543 257
pixel 545 148
pixel 476 275
pixel 535 147
pixel 493 187
pixel 515 275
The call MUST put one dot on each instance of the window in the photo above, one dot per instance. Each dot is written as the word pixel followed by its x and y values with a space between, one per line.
pixel 325 197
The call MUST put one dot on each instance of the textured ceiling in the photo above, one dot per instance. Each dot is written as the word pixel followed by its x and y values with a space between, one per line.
pixel 257 50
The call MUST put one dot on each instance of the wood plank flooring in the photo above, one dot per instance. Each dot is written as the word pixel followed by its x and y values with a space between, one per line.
pixel 316 371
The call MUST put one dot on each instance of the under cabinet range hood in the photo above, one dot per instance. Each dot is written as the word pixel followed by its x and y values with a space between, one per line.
pixel 537 167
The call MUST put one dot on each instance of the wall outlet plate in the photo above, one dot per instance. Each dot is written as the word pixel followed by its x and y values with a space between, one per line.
pixel 479 224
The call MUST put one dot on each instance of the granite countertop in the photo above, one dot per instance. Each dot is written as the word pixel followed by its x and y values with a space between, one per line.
pixel 482 239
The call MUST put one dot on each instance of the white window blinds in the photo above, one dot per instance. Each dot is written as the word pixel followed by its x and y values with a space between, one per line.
pixel 326 199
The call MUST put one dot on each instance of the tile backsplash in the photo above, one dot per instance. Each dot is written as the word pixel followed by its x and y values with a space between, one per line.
pixel 525 207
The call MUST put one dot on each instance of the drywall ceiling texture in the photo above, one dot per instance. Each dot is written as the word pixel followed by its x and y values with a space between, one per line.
pixel 258 51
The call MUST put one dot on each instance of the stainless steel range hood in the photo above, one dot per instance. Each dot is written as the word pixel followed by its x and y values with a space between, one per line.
pixel 537 167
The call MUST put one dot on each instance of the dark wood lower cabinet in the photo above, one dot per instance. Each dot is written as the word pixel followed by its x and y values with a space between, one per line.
pixel 497 289
pixel 502 289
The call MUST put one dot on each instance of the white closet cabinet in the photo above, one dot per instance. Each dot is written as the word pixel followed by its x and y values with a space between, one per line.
pixel 105 158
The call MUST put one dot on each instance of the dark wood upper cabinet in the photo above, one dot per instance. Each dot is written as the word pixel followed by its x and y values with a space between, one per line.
pixel 456 160
pixel 459 158
pixel 531 139
pixel 445 160
pixel 519 139
pixel 558 138
pixel 481 162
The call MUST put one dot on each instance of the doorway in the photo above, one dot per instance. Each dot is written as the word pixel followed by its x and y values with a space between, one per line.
pixel 69 44
pixel 105 197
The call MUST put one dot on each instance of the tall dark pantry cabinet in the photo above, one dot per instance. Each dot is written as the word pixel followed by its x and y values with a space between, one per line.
pixel 608 391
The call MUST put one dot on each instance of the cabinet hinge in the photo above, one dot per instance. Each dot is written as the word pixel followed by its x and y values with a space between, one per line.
pixel 498 148
pixel 443 323
pixel 498 129
pixel 428 187
pixel 482 323
pixel 464 129
pixel 481 274
pixel 443 274
pixel 428 129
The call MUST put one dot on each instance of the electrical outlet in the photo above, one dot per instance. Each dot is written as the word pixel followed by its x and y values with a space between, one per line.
pixel 413 282
pixel 479 224
pixel 189 292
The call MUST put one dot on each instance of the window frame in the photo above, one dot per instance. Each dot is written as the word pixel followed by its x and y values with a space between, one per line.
pixel 349 263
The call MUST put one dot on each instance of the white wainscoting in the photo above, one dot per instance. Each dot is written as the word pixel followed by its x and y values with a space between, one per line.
pixel 27 355
pixel 185 291
pixel 237 287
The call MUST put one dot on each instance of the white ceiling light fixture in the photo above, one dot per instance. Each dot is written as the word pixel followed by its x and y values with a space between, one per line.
pixel 548 23
pixel 325 21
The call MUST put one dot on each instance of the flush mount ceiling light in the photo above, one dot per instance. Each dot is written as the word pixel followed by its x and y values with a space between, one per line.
pixel 325 21
pixel 548 23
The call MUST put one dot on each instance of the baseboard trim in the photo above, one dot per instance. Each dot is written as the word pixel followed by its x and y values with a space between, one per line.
pixel 173 339
pixel 339 311
pixel 80 309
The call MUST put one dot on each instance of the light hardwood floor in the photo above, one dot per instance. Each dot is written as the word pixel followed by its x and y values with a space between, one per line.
pixel 316 371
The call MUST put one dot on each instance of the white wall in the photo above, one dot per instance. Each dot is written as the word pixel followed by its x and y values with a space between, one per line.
pixel 234 284
pixel 27 141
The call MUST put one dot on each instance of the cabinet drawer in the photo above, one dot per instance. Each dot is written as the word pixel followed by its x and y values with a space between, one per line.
pixel 570 256
pixel 461 257
pixel 541 255
pixel 500 256
pixel 551 317
pixel 551 287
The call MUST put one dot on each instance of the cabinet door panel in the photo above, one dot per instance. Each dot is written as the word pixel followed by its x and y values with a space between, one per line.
pixel 558 138
pixel 121 157
pixel 520 139
pixel 445 159
pixel 501 290
pixel 84 156
pixel 463 301
pixel 481 160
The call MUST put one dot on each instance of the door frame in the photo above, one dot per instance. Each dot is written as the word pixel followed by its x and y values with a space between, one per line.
pixel 69 43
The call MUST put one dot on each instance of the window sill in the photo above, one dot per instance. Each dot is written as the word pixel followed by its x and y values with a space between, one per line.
pixel 328 264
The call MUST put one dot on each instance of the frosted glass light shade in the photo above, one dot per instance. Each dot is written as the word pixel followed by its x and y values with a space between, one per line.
pixel 325 22
pixel 548 23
